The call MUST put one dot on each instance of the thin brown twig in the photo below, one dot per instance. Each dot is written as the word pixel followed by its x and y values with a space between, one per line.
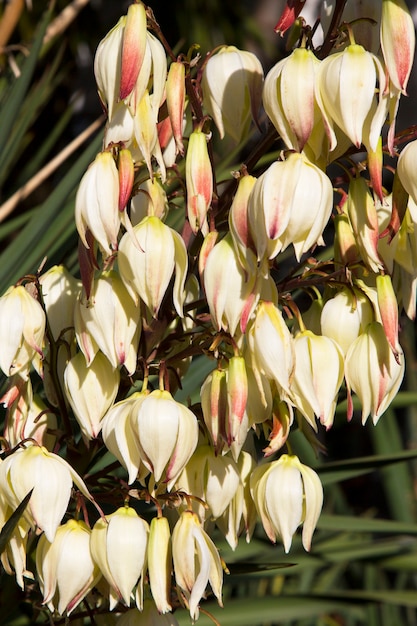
pixel 64 19
pixel 21 194
pixel 10 18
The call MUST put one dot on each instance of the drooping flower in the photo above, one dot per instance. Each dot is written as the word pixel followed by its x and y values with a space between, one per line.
pixel 345 92
pixel 97 203
pixel 287 494
pixel 66 570
pixel 22 330
pixel 318 375
pixel 196 562
pixel 112 319
pixel 232 84
pixel 289 82
pixel 118 546
pixel 372 372
pixel 199 181
pixel 345 316
pixel 51 479
pixel 90 390
pixel 147 264
pixel 290 203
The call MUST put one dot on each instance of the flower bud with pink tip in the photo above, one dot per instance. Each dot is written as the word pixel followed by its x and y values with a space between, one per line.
pixel 398 41
pixel 199 181
pixel 175 91
pixel 133 48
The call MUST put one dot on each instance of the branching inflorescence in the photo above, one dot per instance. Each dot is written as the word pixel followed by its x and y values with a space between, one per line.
pixel 178 266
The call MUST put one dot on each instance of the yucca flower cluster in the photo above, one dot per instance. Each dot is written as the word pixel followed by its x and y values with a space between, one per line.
pixel 123 484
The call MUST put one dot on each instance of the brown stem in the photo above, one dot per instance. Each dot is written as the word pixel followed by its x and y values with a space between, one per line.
pixel 332 33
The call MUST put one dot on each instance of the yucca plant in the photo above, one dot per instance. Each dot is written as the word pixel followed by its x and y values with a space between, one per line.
pixel 362 564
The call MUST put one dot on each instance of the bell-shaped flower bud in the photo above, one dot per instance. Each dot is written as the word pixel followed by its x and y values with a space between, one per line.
pixel 160 563
pixel 118 546
pixel 120 436
pixel 229 287
pixel 345 249
pixel 287 494
pixel 199 181
pixel 149 616
pixel 167 433
pixel 97 203
pixel 406 169
pixel 288 83
pixel 290 203
pixel 259 403
pixel 147 264
pixel 112 318
pixel 239 222
pixel 346 316
pixel 288 16
pixel 59 294
pixel 150 199
pixel 66 570
pixel 22 330
pixel 232 84
pixel 237 394
pixel 125 167
pixel 146 134
pixel 364 220
pixel 318 376
pixel 215 406
pixel 90 390
pixel 398 41
pixel 372 372
pixel 345 92
pixel 51 479
pixel 272 346
pixel 196 562
pixel 388 308
pixel 133 48
pixel 207 246
pixel 175 90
